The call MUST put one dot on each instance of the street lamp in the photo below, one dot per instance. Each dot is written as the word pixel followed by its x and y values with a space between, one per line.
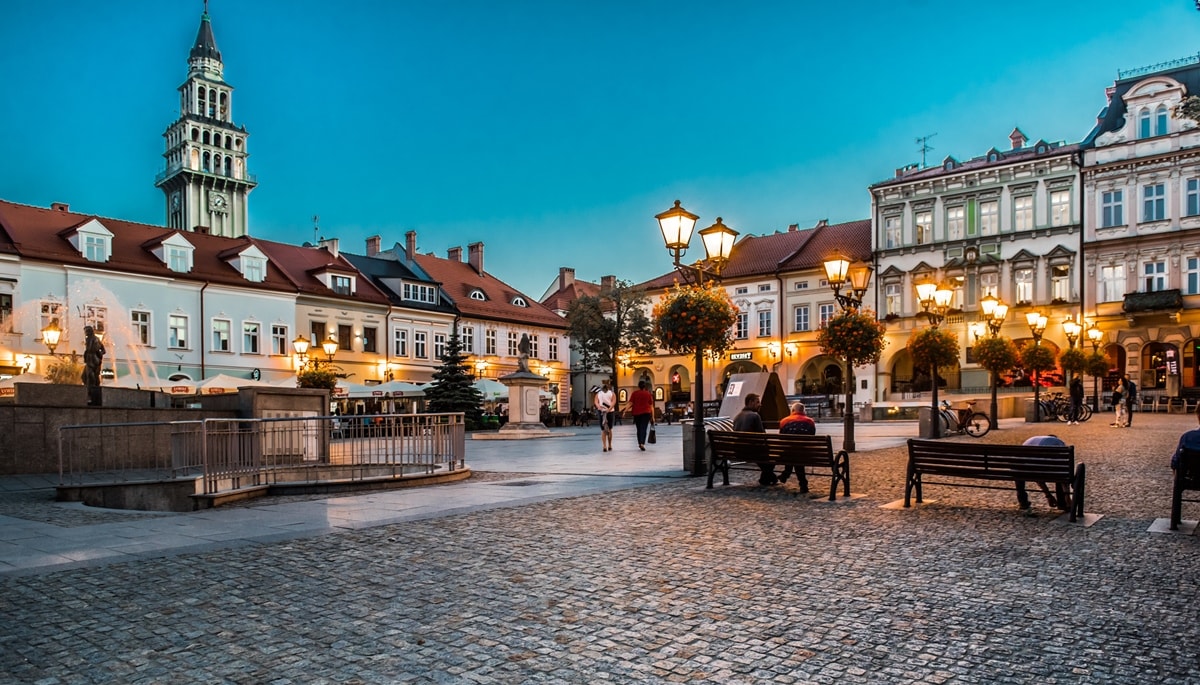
pixel 840 274
pixel 1071 329
pixel 676 225
pixel 1095 335
pixel 994 312
pixel 1037 326
pixel 935 302
pixel 330 346
pixel 51 334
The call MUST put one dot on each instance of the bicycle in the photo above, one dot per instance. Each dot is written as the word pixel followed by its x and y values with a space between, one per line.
pixel 974 423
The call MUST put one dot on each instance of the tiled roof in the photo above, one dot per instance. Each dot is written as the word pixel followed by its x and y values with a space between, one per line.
pixel 1112 117
pixel 303 263
pixel 981 162
pixel 561 299
pixel 459 280
pixel 788 251
pixel 386 266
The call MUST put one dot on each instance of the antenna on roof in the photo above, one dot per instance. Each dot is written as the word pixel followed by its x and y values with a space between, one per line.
pixel 923 141
pixel 315 229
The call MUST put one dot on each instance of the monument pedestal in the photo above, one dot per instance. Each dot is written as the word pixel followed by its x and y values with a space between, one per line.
pixel 524 405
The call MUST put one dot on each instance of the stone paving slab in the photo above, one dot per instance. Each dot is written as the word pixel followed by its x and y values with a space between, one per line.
pixel 663 583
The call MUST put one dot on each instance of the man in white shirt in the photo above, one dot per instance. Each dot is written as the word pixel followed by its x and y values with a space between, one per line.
pixel 605 401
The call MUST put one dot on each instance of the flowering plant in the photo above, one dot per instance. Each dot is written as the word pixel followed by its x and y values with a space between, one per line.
pixel 317 377
pixel 1037 358
pixel 1073 360
pixel 1097 364
pixel 854 336
pixel 995 353
pixel 695 317
pixel 65 370
pixel 933 347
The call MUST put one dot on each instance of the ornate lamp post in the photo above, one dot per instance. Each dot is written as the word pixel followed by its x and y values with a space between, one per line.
pixel 1071 329
pixel 935 302
pixel 51 334
pixel 1095 335
pixel 840 274
pixel 1037 326
pixel 302 345
pixel 994 312
pixel 676 225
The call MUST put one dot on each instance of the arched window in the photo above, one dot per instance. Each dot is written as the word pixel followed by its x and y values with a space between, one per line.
pixel 207 166
pixel 228 166
pixel 217 163
pixel 212 102
pixel 519 302
pixel 228 142
pixel 1144 124
pixel 195 135
pixel 206 138
pixel 1160 121
pixel 200 103
pixel 478 295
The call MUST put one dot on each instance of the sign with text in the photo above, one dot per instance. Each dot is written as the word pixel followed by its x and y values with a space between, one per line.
pixel 740 356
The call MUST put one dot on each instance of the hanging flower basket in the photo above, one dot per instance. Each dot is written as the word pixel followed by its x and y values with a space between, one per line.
pixel 933 346
pixel 854 336
pixel 692 317
pixel 1097 365
pixel 1037 358
pixel 1073 360
pixel 319 377
pixel 996 354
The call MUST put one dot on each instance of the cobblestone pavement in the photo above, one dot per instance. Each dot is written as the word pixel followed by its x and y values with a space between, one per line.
pixel 666 583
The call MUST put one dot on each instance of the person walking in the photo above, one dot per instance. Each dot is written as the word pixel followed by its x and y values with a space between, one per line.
pixel 796 423
pixel 604 402
pixel 1118 403
pixel 748 421
pixel 1076 399
pixel 1130 399
pixel 641 406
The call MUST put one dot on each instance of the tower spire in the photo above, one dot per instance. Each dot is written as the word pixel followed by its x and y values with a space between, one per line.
pixel 205 45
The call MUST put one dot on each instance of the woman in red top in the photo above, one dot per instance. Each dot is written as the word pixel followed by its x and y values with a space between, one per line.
pixel 641 405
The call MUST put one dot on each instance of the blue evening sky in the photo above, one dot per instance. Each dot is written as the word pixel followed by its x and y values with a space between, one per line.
pixel 554 131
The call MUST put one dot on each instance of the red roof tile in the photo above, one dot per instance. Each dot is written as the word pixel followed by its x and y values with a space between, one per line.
pixel 459 280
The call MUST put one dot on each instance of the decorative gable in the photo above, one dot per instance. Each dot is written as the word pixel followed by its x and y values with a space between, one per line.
pixel 176 252
pixel 90 239
pixel 250 262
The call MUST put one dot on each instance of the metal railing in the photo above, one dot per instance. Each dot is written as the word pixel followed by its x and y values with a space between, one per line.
pixel 230 454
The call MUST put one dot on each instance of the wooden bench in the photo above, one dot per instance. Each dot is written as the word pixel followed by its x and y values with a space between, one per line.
pixel 973 461
pixel 802 452
pixel 1187 477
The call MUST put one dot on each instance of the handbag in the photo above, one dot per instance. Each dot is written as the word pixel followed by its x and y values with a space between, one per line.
pixel 652 438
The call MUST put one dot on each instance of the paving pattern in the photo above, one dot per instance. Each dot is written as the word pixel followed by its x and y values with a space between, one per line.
pixel 665 583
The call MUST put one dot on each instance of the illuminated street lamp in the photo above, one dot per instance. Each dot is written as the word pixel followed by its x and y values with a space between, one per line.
pixel 1095 335
pixel 330 346
pixel 1037 326
pixel 1071 329
pixel 994 312
pixel 51 334
pixel 676 225
pixel 840 274
pixel 935 302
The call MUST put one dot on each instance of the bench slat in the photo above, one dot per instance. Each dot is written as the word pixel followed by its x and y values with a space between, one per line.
pixel 802 451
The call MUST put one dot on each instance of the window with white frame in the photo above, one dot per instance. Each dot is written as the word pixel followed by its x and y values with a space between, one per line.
pixel 254 269
pixel 466 339
pixel 1060 282
pixel 419 349
pixel 1060 207
pixel 1192 197
pixel 489 341
pixel 1112 208
pixel 96 317
pixel 177 332
pixel 924 228
pixel 139 320
pixel 6 306
pixel 800 318
pixel 400 342
pixel 1144 123
pixel 340 285
pixel 1160 121
pixel 824 314
pixel 439 345
pixel 892 231
pixel 279 339
pixel 220 335
pixel 892 299
pixel 764 323
pixel 1154 275
pixel 52 313
pixel 989 284
pixel 534 341
pixel 1112 283
pixel 1191 276
pixel 1023 278
pixel 989 217
pixel 801 285
pixel 1154 202
pixel 741 326
pixel 764 287
pixel 741 290
pixel 179 259
pixel 419 292
pixel 251 337
pixel 552 352
pixel 957 284
pixel 514 344
pixel 95 248
pixel 1023 213
pixel 955 223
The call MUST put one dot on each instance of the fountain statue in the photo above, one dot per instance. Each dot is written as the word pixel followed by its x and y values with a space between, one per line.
pixel 93 357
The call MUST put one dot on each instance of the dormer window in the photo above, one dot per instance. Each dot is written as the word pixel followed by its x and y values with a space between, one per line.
pixel 420 292
pixel 340 284
pixel 519 301
pixel 254 270
pixel 179 259
pixel 477 294
pixel 92 240
pixel 95 248
pixel 1144 123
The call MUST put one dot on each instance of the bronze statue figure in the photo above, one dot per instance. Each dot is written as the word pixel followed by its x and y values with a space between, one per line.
pixel 93 357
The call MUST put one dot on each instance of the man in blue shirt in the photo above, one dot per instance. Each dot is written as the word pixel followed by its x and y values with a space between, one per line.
pixel 1189 440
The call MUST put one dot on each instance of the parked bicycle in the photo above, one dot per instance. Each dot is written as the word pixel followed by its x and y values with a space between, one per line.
pixel 963 420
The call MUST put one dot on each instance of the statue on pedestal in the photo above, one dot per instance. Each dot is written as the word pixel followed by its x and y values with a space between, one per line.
pixel 523 360
pixel 93 357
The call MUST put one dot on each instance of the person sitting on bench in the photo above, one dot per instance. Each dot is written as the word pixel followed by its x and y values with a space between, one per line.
pixel 796 423
pixel 1022 496
pixel 749 421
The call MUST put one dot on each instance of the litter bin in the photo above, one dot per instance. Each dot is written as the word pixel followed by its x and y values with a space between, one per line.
pixel 924 424
pixel 1030 416
pixel 689 451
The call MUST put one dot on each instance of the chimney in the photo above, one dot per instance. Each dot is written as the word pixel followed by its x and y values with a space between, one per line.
pixel 1018 139
pixel 410 247
pixel 822 223
pixel 454 254
pixel 566 277
pixel 201 229
pixel 330 244
pixel 608 282
pixel 60 206
pixel 475 257
pixel 793 227
pixel 372 246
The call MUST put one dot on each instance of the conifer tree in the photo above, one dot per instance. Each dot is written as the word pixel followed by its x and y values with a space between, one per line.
pixel 454 390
